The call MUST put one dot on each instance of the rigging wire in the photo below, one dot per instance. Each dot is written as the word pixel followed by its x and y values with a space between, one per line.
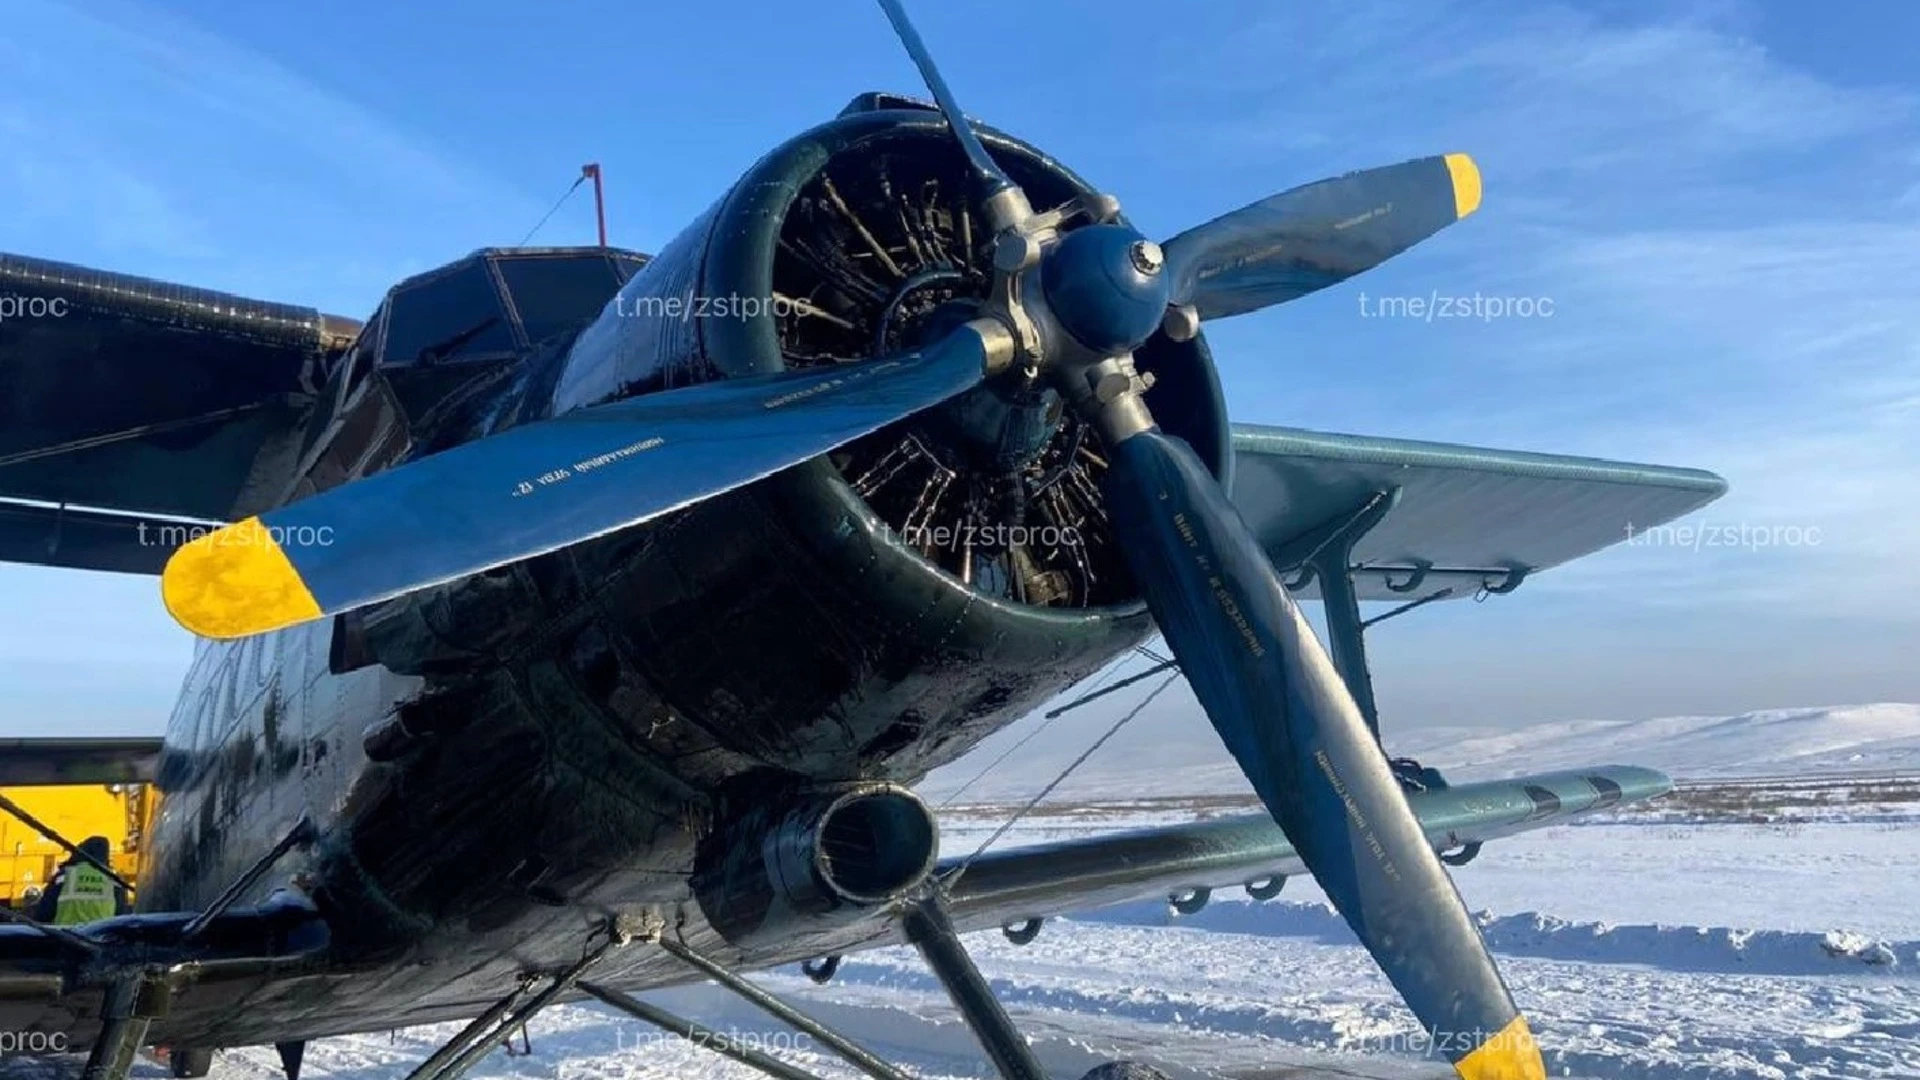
pixel 1092 696
pixel 1047 722
pixel 1056 781
pixel 553 210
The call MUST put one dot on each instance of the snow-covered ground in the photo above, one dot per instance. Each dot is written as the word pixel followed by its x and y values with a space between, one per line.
pixel 1185 758
pixel 1747 930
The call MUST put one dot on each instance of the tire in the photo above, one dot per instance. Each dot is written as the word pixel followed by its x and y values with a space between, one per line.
pixel 189 1064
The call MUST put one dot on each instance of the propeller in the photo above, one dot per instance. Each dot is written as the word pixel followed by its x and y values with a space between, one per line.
pixel 1285 715
pixel 547 485
pixel 1266 684
pixel 1102 290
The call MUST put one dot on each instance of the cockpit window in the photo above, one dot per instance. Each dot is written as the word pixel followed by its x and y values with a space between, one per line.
pixel 553 295
pixel 453 316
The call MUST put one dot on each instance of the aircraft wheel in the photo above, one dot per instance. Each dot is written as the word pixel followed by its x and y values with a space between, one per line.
pixel 189 1064
pixel 1125 1070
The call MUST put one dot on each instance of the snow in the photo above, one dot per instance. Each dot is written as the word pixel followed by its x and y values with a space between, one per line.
pixel 1850 739
pixel 1761 925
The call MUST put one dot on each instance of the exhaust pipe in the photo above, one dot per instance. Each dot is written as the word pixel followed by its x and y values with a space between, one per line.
pixel 821 861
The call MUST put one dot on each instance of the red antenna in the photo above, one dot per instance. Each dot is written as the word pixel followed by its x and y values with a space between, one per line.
pixel 591 171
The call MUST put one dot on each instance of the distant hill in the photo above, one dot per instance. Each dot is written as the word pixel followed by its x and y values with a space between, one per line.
pixel 1877 738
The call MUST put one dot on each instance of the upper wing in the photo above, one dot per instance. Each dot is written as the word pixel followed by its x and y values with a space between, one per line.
pixel 121 396
pixel 1468 517
pixel 1006 888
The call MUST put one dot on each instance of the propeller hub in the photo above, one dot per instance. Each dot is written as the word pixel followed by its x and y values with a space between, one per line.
pixel 1105 286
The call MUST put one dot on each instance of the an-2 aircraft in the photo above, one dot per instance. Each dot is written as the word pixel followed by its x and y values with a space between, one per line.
pixel 579 622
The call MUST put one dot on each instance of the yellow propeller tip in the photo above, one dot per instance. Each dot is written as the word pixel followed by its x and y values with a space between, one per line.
pixel 234 582
pixel 1509 1054
pixel 1466 184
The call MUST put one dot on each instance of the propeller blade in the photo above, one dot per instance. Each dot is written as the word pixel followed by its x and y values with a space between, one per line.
pixel 1289 721
pixel 1288 245
pixel 546 485
pixel 987 172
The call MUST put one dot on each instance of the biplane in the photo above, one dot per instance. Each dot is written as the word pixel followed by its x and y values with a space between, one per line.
pixel 580 621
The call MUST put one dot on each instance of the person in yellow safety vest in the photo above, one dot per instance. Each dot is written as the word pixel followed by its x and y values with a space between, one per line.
pixel 80 892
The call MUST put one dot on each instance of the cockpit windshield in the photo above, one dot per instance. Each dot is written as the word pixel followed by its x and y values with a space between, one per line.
pixel 492 307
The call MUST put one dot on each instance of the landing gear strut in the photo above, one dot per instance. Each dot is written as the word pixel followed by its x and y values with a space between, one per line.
pixel 930 931
pixel 126 1013
pixel 497 1024
pixel 928 927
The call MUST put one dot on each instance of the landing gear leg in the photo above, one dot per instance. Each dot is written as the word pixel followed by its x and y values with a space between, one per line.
pixel 851 1052
pixel 932 933
pixel 129 1008
pixel 930 930
pixel 928 927
pixel 292 1054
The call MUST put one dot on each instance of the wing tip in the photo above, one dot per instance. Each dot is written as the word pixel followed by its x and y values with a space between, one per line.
pixel 235 582
pixel 1466 184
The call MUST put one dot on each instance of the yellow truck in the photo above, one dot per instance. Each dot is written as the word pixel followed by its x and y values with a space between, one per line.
pixel 123 813
pixel 78 788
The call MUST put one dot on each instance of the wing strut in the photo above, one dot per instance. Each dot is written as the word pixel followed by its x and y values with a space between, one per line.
pixel 1325 554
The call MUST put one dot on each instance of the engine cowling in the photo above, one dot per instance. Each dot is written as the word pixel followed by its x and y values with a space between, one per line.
pixel 873 613
pixel 860 239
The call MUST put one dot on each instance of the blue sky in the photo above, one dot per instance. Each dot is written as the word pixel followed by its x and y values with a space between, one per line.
pixel 1721 200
